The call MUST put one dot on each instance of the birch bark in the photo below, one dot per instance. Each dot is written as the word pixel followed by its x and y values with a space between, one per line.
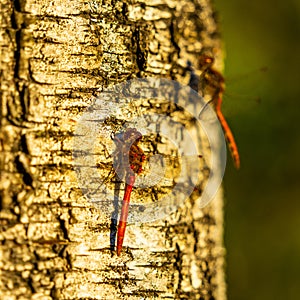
pixel 54 244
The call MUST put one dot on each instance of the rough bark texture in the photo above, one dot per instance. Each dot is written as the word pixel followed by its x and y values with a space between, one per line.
pixel 55 244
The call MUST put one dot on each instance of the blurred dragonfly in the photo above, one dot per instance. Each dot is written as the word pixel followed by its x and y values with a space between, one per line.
pixel 211 78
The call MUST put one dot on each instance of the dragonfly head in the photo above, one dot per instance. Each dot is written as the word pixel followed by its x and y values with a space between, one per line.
pixel 205 61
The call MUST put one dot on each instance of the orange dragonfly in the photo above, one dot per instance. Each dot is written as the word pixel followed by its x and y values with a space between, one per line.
pixel 214 80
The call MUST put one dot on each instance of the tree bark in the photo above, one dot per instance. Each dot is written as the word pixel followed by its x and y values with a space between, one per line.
pixel 55 55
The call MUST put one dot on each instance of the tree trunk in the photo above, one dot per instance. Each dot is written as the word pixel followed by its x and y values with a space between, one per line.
pixel 55 56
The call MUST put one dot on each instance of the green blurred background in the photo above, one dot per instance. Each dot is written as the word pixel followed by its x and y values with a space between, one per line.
pixel 262 213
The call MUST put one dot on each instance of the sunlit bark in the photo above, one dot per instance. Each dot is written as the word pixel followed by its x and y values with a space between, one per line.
pixel 54 244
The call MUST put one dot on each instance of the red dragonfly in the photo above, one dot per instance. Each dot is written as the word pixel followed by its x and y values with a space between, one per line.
pixel 215 81
pixel 130 162
pixel 130 152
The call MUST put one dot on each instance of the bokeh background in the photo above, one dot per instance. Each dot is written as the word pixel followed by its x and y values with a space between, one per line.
pixel 262 213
